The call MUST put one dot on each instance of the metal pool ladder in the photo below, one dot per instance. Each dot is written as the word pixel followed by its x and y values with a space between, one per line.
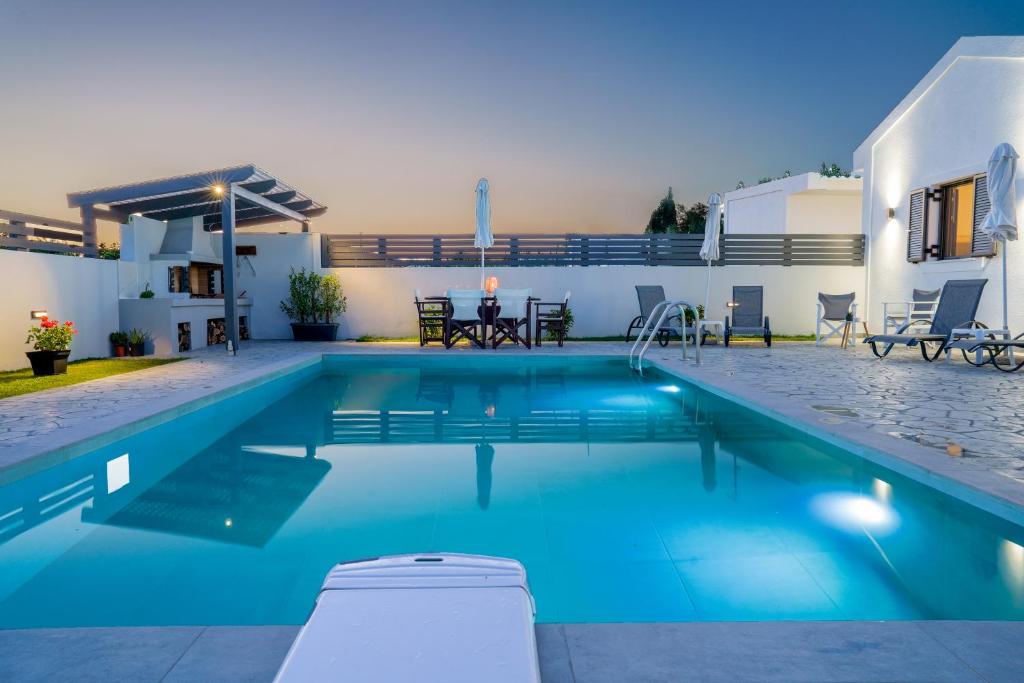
pixel 665 308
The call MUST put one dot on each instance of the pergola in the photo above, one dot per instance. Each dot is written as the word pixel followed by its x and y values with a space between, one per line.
pixel 226 198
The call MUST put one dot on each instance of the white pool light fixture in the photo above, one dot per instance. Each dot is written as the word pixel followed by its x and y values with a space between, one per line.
pixel 669 389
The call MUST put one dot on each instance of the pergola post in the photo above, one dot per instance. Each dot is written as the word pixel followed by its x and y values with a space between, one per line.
pixel 227 221
pixel 88 214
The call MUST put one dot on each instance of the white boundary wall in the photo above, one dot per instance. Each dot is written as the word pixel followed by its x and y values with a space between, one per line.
pixel 603 298
pixel 69 288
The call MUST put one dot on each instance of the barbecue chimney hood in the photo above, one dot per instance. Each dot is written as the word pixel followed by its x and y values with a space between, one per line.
pixel 185 240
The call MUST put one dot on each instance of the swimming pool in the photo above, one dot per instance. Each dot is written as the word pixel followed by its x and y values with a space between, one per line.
pixel 628 498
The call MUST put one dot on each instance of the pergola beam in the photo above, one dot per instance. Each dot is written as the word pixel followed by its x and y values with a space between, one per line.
pixel 204 195
pixel 273 207
pixel 185 183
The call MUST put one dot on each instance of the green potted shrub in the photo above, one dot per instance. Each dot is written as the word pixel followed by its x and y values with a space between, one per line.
pixel 313 300
pixel 119 343
pixel 136 342
pixel 51 340
pixel 147 293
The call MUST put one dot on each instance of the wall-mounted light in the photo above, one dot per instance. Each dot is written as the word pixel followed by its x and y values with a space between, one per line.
pixel 218 190
pixel 892 213
pixel 39 314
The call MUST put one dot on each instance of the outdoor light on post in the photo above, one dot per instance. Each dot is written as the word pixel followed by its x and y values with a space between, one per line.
pixel 732 304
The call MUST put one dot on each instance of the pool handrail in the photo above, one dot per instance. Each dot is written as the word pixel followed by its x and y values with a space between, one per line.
pixel 651 330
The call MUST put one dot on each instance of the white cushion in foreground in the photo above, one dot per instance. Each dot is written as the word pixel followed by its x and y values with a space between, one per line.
pixel 443 617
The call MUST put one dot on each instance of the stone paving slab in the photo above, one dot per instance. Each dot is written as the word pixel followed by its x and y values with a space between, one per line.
pixel 755 652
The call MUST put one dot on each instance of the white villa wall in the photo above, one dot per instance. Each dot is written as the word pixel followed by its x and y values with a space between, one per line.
pixel 80 289
pixel 946 129
pixel 264 277
pixel 603 299
pixel 806 203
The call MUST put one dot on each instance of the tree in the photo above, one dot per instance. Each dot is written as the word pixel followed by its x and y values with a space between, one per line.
pixel 663 218
pixel 694 218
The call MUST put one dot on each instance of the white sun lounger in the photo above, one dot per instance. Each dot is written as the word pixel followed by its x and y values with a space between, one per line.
pixel 440 617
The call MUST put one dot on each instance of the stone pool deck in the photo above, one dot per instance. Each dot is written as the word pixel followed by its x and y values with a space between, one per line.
pixel 902 411
pixel 784 652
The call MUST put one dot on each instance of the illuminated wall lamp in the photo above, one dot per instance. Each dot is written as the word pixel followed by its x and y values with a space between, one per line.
pixel 892 213
pixel 39 314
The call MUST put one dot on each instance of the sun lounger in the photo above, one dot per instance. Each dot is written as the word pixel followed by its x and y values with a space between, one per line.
pixel 748 318
pixel 649 296
pixel 1005 354
pixel 448 617
pixel 958 304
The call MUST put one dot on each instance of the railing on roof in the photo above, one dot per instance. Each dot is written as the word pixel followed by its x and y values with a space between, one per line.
pixel 573 249
pixel 25 232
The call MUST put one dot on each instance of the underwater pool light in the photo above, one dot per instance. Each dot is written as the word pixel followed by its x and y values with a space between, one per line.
pixel 670 389
pixel 855 512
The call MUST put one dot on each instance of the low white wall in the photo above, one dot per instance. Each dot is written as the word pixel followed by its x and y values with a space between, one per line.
pixel 603 298
pixel 80 289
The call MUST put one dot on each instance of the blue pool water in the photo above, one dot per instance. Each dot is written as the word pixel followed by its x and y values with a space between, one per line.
pixel 628 498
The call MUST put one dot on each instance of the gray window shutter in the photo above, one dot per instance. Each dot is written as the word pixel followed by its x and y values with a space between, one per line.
pixel 981 242
pixel 916 227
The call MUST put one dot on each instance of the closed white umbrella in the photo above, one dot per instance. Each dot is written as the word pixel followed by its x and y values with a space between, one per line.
pixel 484 237
pixel 1001 221
pixel 709 249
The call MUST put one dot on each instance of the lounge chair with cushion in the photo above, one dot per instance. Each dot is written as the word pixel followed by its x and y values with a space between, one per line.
pixel 958 304
pixel 550 318
pixel 512 322
pixel 747 313
pixel 834 312
pixel 444 617
pixel 465 317
pixel 649 296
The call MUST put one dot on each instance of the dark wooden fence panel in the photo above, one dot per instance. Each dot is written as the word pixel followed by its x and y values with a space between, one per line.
pixel 25 232
pixel 521 250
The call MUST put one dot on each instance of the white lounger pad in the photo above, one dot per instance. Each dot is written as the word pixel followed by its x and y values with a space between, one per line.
pixel 445 621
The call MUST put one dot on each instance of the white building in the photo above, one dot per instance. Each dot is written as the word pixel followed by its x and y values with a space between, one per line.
pixel 924 178
pixel 806 203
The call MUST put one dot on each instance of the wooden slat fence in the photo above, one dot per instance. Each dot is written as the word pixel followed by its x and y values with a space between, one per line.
pixel 25 232
pixel 521 250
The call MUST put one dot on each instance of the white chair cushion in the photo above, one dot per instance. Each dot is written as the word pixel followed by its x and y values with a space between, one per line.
pixel 513 302
pixel 465 303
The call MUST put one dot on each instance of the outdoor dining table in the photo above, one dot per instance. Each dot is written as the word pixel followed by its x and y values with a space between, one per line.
pixel 489 311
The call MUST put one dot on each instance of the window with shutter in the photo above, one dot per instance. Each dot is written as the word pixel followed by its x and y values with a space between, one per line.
pixel 916 227
pixel 981 242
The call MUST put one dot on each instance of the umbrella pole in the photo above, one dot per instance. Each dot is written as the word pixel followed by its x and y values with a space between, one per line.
pixel 482 282
pixel 1006 316
pixel 707 290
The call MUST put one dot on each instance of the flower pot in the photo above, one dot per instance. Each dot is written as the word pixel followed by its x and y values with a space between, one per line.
pixel 48 362
pixel 137 349
pixel 315 331
pixel 120 350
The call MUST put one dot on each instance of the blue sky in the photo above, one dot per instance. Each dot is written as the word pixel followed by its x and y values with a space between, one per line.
pixel 579 113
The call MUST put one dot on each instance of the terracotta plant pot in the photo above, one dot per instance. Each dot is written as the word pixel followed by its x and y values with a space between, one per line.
pixel 120 351
pixel 315 331
pixel 46 363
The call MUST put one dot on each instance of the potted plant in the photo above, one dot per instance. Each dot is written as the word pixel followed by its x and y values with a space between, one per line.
pixel 52 343
pixel 136 342
pixel 147 293
pixel 313 300
pixel 119 342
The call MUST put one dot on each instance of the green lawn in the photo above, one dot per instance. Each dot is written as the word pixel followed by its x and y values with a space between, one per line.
pixel 15 382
